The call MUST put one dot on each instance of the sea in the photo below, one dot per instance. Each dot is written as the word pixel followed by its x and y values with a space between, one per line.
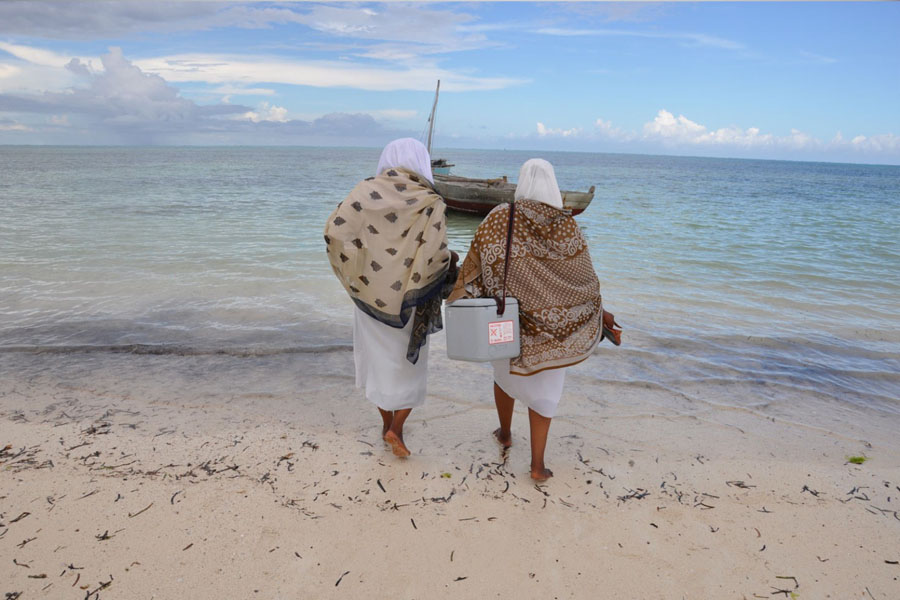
pixel 784 274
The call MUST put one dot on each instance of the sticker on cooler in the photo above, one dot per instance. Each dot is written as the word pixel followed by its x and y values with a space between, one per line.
pixel 500 332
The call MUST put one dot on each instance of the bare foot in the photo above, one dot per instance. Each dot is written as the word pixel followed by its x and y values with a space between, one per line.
pixel 541 474
pixel 384 431
pixel 397 445
pixel 503 440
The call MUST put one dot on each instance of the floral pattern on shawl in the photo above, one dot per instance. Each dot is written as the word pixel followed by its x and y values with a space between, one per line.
pixel 550 274
pixel 387 244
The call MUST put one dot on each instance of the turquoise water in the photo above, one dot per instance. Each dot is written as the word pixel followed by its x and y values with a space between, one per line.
pixel 782 273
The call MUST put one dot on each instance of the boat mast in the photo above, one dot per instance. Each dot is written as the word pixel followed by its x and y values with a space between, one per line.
pixel 431 118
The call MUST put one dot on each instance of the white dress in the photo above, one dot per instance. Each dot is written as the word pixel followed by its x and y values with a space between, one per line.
pixel 379 352
pixel 540 392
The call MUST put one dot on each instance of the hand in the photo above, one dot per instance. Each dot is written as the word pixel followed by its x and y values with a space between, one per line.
pixel 609 320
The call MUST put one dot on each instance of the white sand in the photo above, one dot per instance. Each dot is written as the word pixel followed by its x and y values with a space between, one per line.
pixel 228 477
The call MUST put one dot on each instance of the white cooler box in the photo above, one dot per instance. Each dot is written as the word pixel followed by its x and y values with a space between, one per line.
pixel 476 333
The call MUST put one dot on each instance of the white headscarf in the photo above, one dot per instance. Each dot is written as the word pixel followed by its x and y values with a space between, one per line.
pixel 537 181
pixel 406 153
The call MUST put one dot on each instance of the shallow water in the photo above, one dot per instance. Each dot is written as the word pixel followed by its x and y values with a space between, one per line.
pixel 785 274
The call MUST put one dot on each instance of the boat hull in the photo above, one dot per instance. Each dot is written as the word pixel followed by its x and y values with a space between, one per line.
pixel 480 196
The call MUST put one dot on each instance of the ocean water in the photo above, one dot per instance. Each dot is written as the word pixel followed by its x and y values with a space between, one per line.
pixel 780 273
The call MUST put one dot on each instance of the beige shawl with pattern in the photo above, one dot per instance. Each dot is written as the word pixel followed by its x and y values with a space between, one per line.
pixel 387 244
pixel 550 274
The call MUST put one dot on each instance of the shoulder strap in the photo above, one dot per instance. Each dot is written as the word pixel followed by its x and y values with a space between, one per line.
pixel 501 301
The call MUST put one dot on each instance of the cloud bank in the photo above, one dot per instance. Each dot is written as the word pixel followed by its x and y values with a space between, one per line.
pixel 680 134
pixel 119 102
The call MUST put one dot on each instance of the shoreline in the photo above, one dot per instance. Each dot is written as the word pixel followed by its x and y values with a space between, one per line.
pixel 218 476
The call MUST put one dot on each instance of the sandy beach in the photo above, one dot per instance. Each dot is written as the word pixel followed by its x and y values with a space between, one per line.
pixel 211 476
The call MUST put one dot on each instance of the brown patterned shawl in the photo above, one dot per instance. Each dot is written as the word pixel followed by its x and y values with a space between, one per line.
pixel 550 274
pixel 387 244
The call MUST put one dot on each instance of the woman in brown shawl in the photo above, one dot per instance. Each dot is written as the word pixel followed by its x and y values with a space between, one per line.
pixel 560 310
pixel 387 244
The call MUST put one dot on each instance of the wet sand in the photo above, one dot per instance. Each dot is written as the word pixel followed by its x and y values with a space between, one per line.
pixel 218 476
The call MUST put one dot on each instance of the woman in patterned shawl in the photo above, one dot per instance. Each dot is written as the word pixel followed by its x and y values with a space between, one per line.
pixel 551 275
pixel 387 244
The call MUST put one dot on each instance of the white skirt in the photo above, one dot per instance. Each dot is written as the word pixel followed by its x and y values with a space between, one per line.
pixel 540 392
pixel 379 352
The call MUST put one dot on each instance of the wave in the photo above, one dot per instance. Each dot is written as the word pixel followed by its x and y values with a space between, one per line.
pixel 176 350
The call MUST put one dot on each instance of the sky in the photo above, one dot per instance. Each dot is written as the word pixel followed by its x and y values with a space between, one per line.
pixel 794 81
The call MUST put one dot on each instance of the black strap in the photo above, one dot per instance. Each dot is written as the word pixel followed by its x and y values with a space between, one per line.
pixel 501 301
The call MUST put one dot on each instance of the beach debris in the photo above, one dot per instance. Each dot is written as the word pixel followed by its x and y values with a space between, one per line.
pixel 13 595
pixel 765 510
pixel 18 564
pixel 96 592
pixel 105 535
pixel 791 577
pixel 857 460
pixel 451 555
pixel 101 429
pixel 446 475
pixel 88 495
pixel 806 488
pixel 187 547
pixel 338 582
pixel 131 516
pixel 411 520
pixel 172 499
pixel 739 484
pixel 378 481
pixel 460 579
pixel 20 517
pixel 25 541
pixel 638 494
pixel 857 493
pixel 892 562
pixel 39 576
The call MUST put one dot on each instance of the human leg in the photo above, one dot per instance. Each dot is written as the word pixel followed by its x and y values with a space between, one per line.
pixel 505 404
pixel 394 435
pixel 540 426
pixel 387 417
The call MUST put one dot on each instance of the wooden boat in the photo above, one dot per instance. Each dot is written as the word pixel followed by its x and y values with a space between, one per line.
pixel 480 196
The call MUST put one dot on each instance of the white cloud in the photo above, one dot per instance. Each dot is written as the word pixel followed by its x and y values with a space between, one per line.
pixel 267 112
pixel 606 129
pixel 7 71
pixel 694 39
pixel 887 142
pixel 244 70
pixel 817 58
pixel 395 114
pixel 35 56
pixel 544 131
pixel 239 91
pixel 10 125
pixel 671 130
